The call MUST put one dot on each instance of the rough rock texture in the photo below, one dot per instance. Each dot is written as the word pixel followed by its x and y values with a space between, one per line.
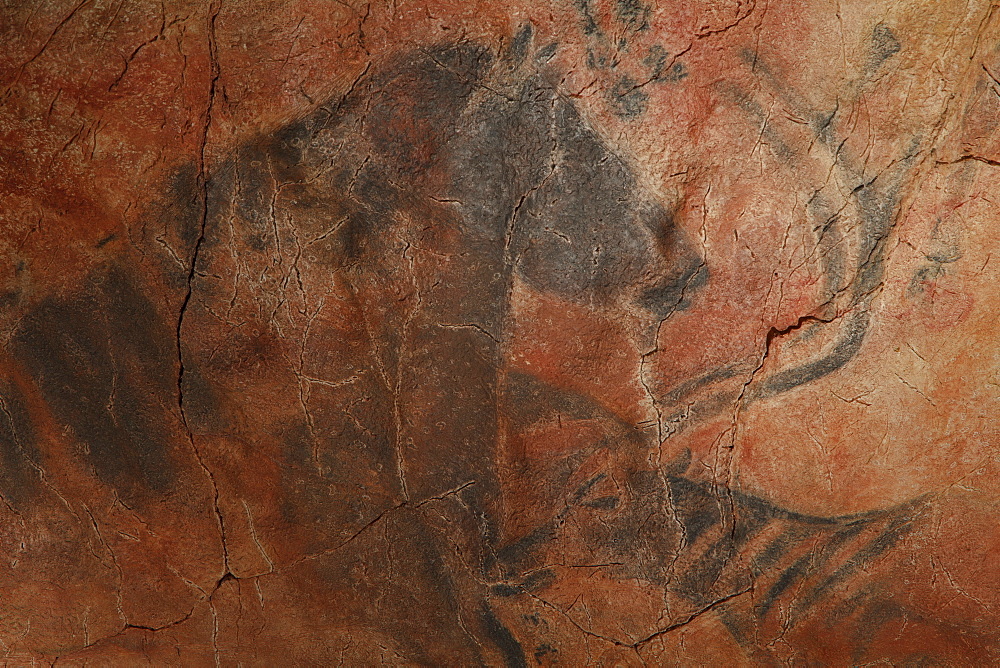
pixel 442 332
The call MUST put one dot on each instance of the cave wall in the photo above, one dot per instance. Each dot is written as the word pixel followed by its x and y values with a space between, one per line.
pixel 576 332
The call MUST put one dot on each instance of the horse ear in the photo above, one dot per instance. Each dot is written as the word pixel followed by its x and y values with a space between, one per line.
pixel 520 45
pixel 545 54
pixel 415 104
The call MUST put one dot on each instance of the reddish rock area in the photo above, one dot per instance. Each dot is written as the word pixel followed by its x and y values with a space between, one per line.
pixel 445 332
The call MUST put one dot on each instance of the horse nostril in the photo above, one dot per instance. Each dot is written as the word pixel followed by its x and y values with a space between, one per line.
pixel 673 292
pixel 674 269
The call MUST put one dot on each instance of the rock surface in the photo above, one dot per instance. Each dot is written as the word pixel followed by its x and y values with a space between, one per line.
pixel 441 332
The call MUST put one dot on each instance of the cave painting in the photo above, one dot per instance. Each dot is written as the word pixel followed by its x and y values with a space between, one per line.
pixel 455 377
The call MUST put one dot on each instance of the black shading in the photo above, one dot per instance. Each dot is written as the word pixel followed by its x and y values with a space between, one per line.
pixel 525 174
pixel 877 199
pixel 531 192
pixel 513 653
pixel 19 453
pixel 716 524
pixel 610 51
pixel 588 22
pixel 633 13
pixel 104 362
pixel 883 47
pixel 519 46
